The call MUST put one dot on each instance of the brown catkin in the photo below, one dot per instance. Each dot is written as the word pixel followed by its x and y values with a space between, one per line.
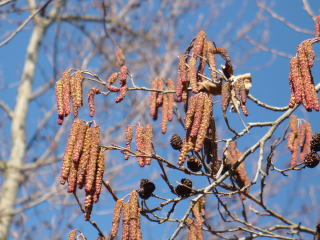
pixel 92 164
pixel 72 234
pixel 198 214
pixel 212 61
pixel 290 141
pixel 134 215
pixel 78 147
pixel 301 134
pixel 66 92
pixel 140 145
pixel 297 82
pixel 293 161
pixel 171 87
pixel 123 76
pixel 182 76
pixel 116 218
pixel 99 175
pixel 192 74
pixel 317 26
pixel 305 148
pixel 198 114
pixel 205 122
pixel 309 51
pixel 148 143
pixel 123 93
pixel 77 99
pixel 88 205
pixel 190 112
pixel 72 179
pixel 83 162
pixel 120 58
pixel 92 92
pixel 225 96
pixel 67 157
pixel 184 152
pixel 203 62
pixel 198 43
pixel 160 87
pixel 164 121
pixel 59 98
pixel 126 222
pixel 153 100
pixel 293 124
pixel 111 80
pixel 128 137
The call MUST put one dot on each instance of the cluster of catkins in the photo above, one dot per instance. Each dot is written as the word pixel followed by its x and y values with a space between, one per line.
pixel 130 213
pixel 300 76
pixel 160 99
pixel 197 121
pixel 83 162
pixel 236 92
pixel 143 138
pixel 122 76
pixel 195 224
pixel 69 87
pixel 232 155
pixel 299 139
pixel 202 51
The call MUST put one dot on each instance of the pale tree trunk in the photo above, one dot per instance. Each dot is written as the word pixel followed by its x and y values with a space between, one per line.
pixel 10 186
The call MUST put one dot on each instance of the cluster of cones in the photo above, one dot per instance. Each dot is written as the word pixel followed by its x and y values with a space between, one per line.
pixel 232 155
pixel 143 138
pixel 197 121
pixel 130 213
pixel 83 162
pixel 160 99
pixel 300 76
pixel 69 88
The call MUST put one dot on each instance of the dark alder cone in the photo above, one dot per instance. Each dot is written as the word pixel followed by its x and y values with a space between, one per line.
pixel 92 92
pixel 117 211
pixel 311 160
pixel 120 58
pixel 176 142
pixel 194 164
pixel 315 143
pixel 184 189
pixel 146 188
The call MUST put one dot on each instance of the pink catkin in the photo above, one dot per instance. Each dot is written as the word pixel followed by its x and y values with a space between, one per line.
pixel 153 100
pixel 192 74
pixel 148 143
pixel 129 133
pixel 198 114
pixel 123 75
pixel 66 92
pixel 182 76
pixel 317 26
pixel 160 87
pixel 165 107
pixel 91 94
pixel 123 93
pixel 170 99
pixel 140 145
